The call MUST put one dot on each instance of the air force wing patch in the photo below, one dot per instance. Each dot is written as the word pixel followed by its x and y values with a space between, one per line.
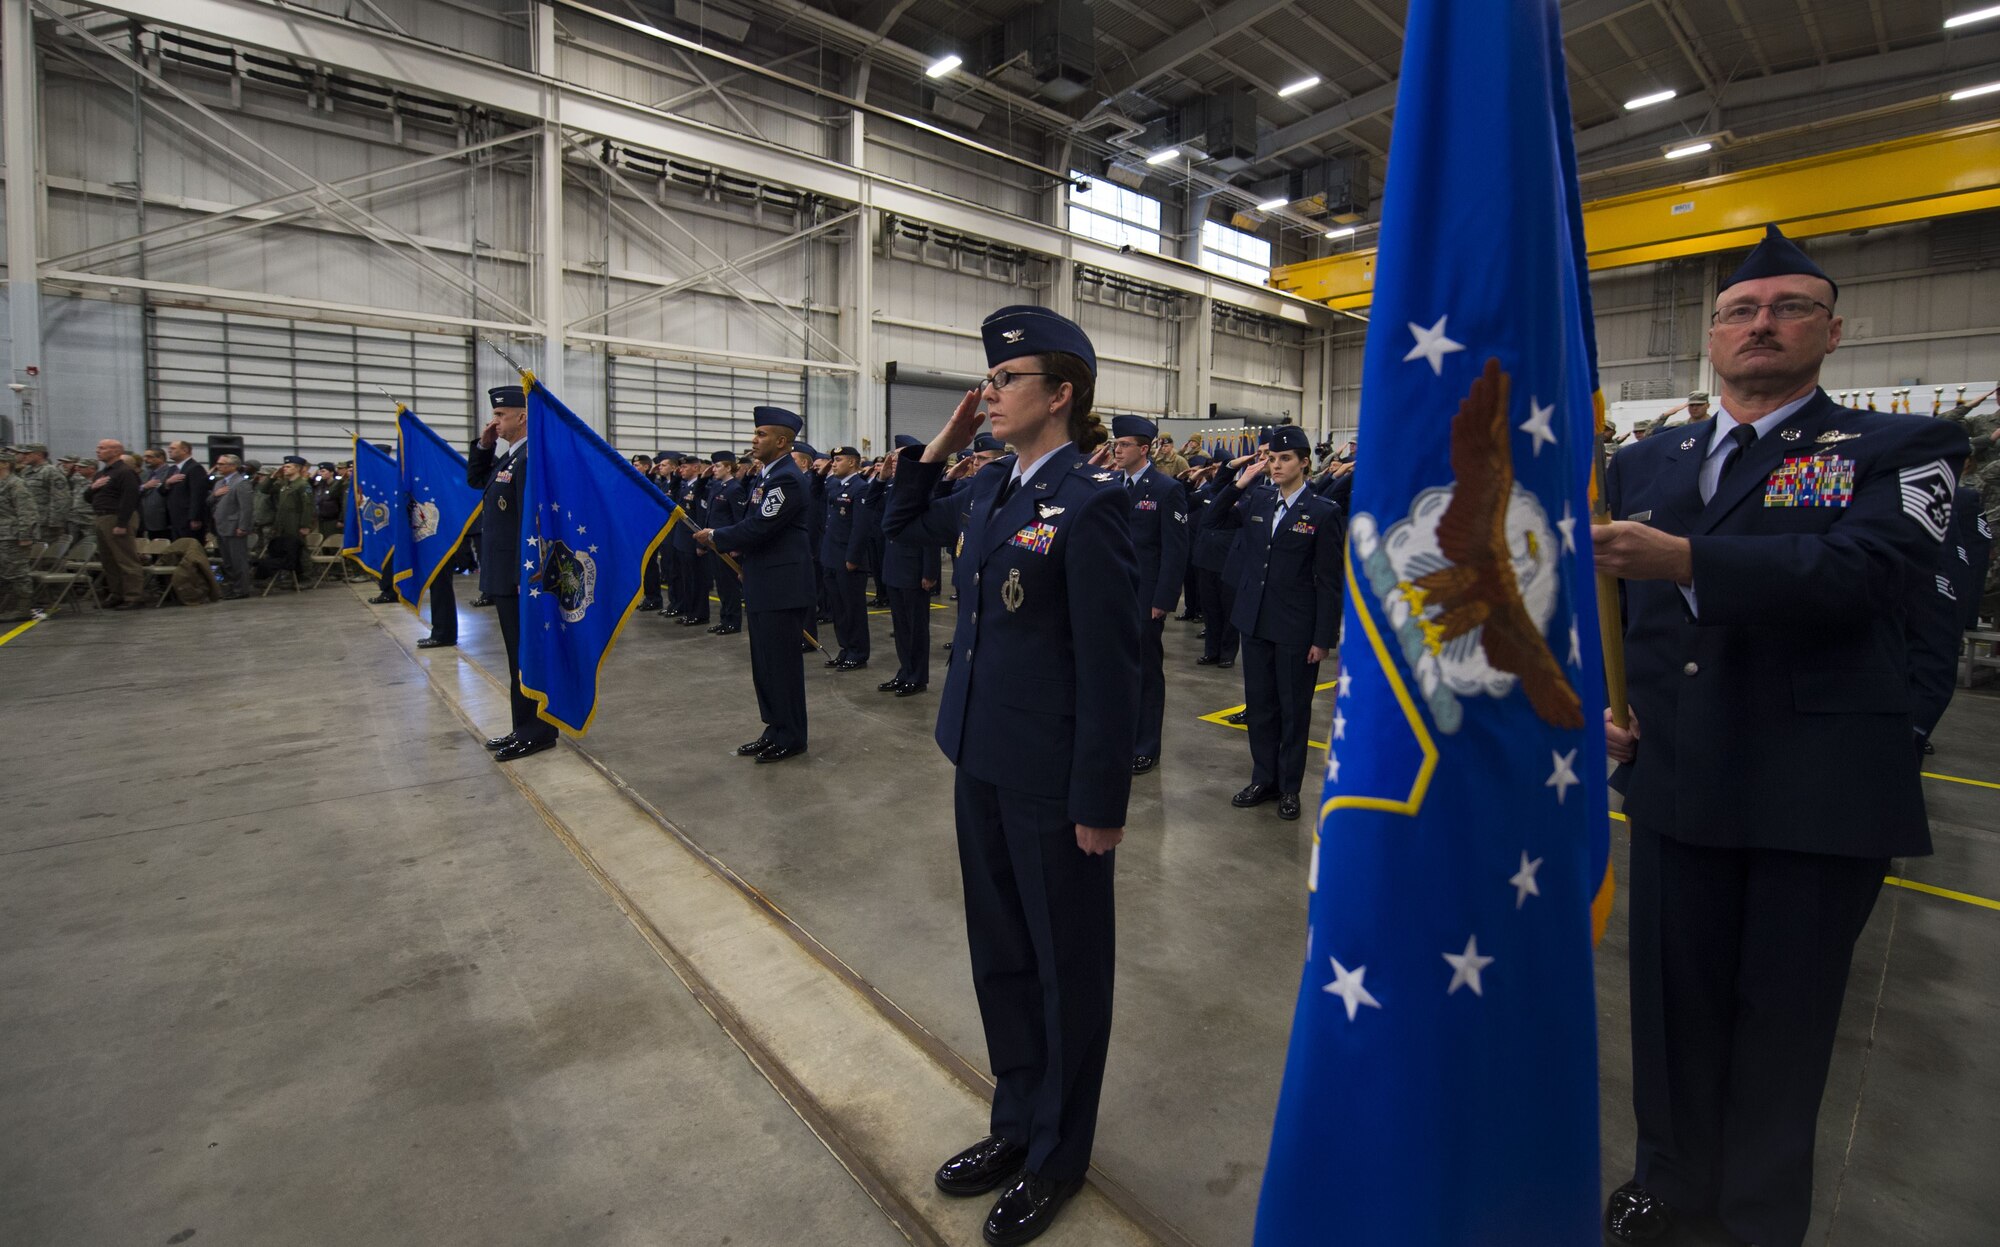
pixel 1927 490
pixel 774 501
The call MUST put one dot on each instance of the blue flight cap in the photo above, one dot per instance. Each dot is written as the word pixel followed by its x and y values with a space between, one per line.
pixel 723 456
pixel 1021 330
pixel 507 396
pixel 1134 426
pixel 1776 256
pixel 1198 461
pixel 1290 437
pixel 806 449
pixel 777 416
pixel 986 443
pixel 659 455
pixel 903 441
pixel 1264 437
pixel 838 451
pixel 668 456
pixel 296 460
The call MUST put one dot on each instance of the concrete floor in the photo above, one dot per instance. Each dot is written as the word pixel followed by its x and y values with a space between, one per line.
pixel 380 1090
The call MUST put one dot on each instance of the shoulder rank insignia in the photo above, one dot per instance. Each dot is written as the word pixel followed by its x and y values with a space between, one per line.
pixel 1688 444
pixel 1790 435
pixel 1049 510
pixel 1100 476
pixel 1831 436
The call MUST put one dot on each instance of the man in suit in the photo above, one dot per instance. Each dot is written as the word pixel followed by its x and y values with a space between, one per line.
pixel 1160 539
pixel 503 482
pixel 187 490
pixel 772 544
pixel 232 507
pixel 1285 605
pixel 843 557
pixel 910 570
pixel 1764 554
pixel 727 500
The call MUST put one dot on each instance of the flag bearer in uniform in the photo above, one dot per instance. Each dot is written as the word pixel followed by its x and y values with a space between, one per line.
pixel 1160 541
pixel 771 543
pixel 1286 605
pixel 1764 554
pixel 502 478
pixel 1039 714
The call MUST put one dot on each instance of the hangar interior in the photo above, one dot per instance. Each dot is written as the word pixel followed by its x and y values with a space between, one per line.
pixel 639 997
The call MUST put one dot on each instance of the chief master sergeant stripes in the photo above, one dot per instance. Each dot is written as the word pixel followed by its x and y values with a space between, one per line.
pixel 503 478
pixel 778 590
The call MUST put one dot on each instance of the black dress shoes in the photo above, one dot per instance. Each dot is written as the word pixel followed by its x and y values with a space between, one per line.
pixel 1636 1215
pixel 690 621
pixel 1026 1209
pixel 831 663
pixel 1202 635
pixel 730 630
pixel 988 1163
pixel 1240 718
pixel 525 749
pixel 501 742
pixel 807 647
pixel 911 690
pixel 432 642
pixel 649 604
pixel 1186 618
pixel 1288 807
pixel 1143 763
pixel 1206 661
pixel 890 686
pixel 850 664
pixel 778 753
pixel 754 748
pixel 482 600
pixel 1254 794
pixel 380 599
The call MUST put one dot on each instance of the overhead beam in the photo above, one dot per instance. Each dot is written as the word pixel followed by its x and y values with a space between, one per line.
pixel 345 45
pixel 1915 179
pixel 1168 54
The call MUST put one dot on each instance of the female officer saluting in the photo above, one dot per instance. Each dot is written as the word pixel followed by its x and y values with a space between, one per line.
pixel 1039 712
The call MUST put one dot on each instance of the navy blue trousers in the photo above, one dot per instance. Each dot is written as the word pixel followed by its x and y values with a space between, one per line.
pixel 527 724
pixel 847 596
pixel 1039 921
pixel 1152 684
pixel 910 621
pixel 444 607
pixel 1217 597
pixel 778 672
pixel 729 588
pixel 1278 693
pixel 1739 961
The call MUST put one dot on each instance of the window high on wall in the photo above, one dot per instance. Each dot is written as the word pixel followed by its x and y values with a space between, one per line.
pixel 1113 215
pixel 1233 253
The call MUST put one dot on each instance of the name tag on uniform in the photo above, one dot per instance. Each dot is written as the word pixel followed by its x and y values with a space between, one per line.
pixel 1819 481
pixel 1305 526
pixel 1037 537
pixel 1145 504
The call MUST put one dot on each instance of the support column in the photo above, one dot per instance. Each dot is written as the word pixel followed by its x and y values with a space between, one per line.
pixel 549 207
pixel 867 413
pixel 1192 394
pixel 24 216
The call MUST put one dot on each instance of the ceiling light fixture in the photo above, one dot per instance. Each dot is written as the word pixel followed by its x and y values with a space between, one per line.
pixel 1692 149
pixel 1272 205
pixel 1303 84
pixel 1345 231
pixel 1163 155
pixel 1647 101
pixel 944 65
pixel 1970 92
pixel 1977 15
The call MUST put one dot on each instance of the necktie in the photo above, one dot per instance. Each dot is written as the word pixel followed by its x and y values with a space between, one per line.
pixel 1279 518
pixel 1743 435
pixel 1006 492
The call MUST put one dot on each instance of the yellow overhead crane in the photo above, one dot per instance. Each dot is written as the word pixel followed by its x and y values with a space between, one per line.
pixel 1911 179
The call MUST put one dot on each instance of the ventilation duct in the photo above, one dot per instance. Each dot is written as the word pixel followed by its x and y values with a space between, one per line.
pixel 1048 50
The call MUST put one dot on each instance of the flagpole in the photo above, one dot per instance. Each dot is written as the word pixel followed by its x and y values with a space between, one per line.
pixel 1610 622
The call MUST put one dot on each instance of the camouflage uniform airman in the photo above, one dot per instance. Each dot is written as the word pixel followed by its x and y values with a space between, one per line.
pixel 1982 472
pixel 19 526
pixel 49 486
pixel 81 522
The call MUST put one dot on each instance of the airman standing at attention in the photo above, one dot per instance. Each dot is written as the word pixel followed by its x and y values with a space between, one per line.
pixel 48 486
pixel 771 543
pixel 1159 524
pixel 842 558
pixel 503 481
pixel 728 499
pixel 19 526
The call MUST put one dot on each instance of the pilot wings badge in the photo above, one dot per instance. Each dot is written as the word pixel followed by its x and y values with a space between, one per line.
pixel 569 575
pixel 423 520
pixel 1469 579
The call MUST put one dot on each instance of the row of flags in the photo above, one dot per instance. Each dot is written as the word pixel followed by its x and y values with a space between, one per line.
pixel 1440 1085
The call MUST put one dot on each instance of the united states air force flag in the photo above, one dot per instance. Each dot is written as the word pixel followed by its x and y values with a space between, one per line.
pixel 438 506
pixel 1441 1083
pixel 372 502
pixel 589 522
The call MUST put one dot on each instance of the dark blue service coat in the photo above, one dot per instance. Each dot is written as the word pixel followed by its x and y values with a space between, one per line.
pixel 503 480
pixel 1797 663
pixel 1042 691
pixel 1159 520
pixel 1288 583
pixel 771 540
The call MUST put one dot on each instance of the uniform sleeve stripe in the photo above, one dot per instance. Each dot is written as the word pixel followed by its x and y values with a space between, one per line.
pixel 1927 493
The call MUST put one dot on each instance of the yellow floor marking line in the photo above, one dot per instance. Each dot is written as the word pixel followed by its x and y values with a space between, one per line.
pixel 1963 898
pixel 1220 717
pixel 18 631
pixel 1958 779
